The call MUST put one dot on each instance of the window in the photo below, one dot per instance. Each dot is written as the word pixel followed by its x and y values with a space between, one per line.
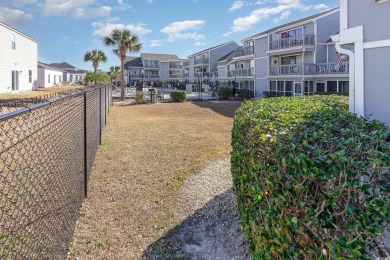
pixel 308 89
pixel 13 42
pixel 332 86
pixel 291 60
pixel 48 78
pixel 320 87
pixel 59 79
pixel 280 86
pixel 30 76
pixel 272 86
pixel 288 88
pixel 15 80
pixel 344 86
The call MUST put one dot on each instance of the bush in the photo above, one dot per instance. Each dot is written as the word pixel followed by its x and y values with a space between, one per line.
pixel 224 92
pixel 332 93
pixel 269 94
pixel 178 96
pixel 139 97
pixel 245 93
pixel 311 179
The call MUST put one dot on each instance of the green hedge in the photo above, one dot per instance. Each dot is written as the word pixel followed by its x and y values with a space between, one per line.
pixel 224 92
pixel 311 179
pixel 178 96
pixel 245 93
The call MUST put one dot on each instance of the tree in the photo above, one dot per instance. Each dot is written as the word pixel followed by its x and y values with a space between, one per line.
pixel 123 41
pixel 115 72
pixel 98 76
pixel 95 56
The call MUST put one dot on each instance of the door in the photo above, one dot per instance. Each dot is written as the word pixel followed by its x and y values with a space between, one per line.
pixel 15 80
pixel 298 89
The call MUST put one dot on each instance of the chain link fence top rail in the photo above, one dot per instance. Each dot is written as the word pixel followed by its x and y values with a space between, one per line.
pixel 46 155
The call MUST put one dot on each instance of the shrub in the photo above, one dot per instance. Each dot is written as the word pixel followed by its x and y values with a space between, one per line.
pixel 311 179
pixel 178 96
pixel 269 94
pixel 224 92
pixel 332 93
pixel 139 97
pixel 245 93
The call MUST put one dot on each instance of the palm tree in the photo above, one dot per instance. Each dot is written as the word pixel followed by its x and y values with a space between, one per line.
pixel 123 41
pixel 95 56
pixel 115 72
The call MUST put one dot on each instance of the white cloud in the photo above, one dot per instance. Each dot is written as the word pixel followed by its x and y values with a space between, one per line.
pixel 200 43
pixel 14 16
pixel 66 37
pixel 321 6
pixel 155 43
pixel 23 2
pixel 149 1
pixel 75 8
pixel 104 29
pixel 79 13
pixel 237 5
pixel 279 7
pixel 184 30
pixel 284 15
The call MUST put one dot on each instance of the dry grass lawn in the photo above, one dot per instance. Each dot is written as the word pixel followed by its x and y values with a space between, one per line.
pixel 148 151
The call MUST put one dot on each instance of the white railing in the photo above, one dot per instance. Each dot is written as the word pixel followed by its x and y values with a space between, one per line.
pixel 175 76
pixel 242 51
pixel 333 68
pixel 241 72
pixel 201 61
pixel 296 69
pixel 299 40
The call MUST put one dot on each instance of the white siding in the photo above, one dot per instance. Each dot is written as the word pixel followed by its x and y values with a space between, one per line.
pixel 22 59
pixel 55 76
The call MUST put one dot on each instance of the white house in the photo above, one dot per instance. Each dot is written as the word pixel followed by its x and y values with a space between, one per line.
pixel 49 76
pixel 18 62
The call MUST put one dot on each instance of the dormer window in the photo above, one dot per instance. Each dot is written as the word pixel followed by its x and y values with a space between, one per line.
pixel 13 42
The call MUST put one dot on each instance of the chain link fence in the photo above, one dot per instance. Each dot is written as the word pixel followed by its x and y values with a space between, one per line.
pixel 46 156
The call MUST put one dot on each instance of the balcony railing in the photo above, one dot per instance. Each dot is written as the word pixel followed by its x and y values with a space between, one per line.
pixel 241 72
pixel 333 68
pixel 206 74
pixel 300 40
pixel 201 61
pixel 175 76
pixel 151 66
pixel 242 51
pixel 310 69
pixel 175 66
pixel 151 76
pixel 136 76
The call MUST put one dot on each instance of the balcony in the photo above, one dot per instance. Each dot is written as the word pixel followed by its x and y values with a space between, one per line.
pixel 175 66
pixel 136 76
pixel 206 74
pixel 309 69
pixel 201 61
pixel 151 66
pixel 151 76
pixel 241 72
pixel 243 51
pixel 296 41
pixel 175 76
pixel 296 69
pixel 186 75
pixel 333 68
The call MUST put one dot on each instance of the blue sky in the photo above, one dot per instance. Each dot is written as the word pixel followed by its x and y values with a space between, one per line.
pixel 66 29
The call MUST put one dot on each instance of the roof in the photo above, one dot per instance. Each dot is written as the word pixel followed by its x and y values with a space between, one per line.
pixel 160 57
pixel 46 66
pixel 215 47
pixel 68 68
pixel 225 59
pixel 133 62
pixel 19 32
pixel 304 19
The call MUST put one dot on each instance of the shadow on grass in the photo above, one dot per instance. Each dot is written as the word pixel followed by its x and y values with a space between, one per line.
pixel 212 232
pixel 224 108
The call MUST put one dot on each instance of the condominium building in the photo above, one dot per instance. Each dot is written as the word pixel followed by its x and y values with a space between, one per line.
pixel 298 58
pixel 153 67
pixel 203 64
pixel 364 36
pixel 19 60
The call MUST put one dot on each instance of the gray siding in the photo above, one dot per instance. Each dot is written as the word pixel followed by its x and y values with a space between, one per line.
pixel 373 16
pixel 261 85
pixel 164 71
pixel 218 53
pixel 326 26
pixel 377 86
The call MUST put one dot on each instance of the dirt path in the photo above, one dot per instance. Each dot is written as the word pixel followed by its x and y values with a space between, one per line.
pixel 138 206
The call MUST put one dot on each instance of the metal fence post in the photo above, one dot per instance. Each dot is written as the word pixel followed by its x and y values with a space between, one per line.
pixel 85 147
pixel 100 116
pixel 105 105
